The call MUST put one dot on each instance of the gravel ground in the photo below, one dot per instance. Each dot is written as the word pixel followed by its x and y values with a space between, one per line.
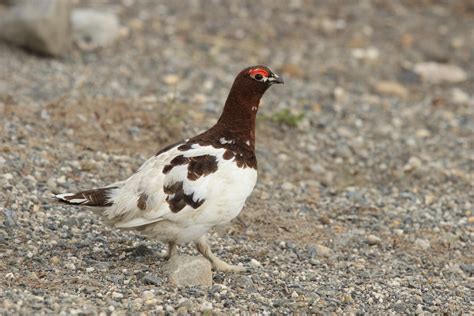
pixel 364 201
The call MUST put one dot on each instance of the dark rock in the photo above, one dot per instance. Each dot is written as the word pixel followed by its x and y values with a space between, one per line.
pixel 151 279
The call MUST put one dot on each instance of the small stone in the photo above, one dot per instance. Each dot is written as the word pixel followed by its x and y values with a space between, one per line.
pixel 294 295
pixel 287 186
pixel 325 220
pixel 429 199
pixel 398 232
pixel 90 269
pixel 422 243
pixel 436 73
pixel 148 295
pixel 423 133
pixel 373 240
pixel 206 306
pixel 322 251
pixel 346 298
pixel 117 295
pixel 188 271
pixel 340 95
pixel 171 79
pixel 7 176
pixel 468 268
pixel 369 53
pixel 412 164
pixel 458 96
pixel 151 279
pixel 200 98
pixel 391 88
pixel 54 260
pixel 10 218
pixel 94 29
pixel 255 263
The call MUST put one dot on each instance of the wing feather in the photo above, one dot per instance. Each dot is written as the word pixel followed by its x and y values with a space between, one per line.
pixel 170 195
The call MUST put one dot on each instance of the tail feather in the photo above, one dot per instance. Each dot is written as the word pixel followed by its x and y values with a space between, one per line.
pixel 95 197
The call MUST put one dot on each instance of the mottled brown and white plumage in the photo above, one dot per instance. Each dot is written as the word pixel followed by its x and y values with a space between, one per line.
pixel 187 188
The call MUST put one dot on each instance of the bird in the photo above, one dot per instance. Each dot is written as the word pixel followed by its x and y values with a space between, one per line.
pixel 193 185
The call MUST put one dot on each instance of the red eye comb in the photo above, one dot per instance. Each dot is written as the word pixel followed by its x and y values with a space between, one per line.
pixel 256 71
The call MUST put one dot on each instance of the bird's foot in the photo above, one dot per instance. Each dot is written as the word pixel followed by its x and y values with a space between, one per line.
pixel 219 265
pixel 172 250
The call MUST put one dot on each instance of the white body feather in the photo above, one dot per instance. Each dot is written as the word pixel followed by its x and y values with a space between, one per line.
pixel 224 193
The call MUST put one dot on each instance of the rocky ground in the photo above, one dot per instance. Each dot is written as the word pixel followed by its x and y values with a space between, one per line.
pixel 364 201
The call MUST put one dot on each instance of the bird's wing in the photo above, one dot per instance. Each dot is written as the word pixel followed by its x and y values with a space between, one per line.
pixel 169 186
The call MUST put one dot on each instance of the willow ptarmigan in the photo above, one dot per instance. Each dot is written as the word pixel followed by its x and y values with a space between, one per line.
pixel 187 188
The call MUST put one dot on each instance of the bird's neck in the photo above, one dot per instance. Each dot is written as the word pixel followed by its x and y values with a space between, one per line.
pixel 239 117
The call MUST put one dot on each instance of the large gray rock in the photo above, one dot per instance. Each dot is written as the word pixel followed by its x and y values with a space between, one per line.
pixel 93 29
pixel 188 271
pixel 41 26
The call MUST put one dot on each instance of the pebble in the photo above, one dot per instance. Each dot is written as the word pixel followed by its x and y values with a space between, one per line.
pixel 151 279
pixel 322 251
pixel 171 79
pixel 458 96
pixel 148 295
pixel 437 73
pixel 94 29
pixel 373 240
pixel 412 164
pixel 369 53
pixel 422 243
pixel 391 88
pixel 255 263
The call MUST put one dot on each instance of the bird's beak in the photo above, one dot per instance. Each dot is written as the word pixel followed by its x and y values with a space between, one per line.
pixel 276 79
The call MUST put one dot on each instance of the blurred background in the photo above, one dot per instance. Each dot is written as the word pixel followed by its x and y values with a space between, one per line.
pixel 364 199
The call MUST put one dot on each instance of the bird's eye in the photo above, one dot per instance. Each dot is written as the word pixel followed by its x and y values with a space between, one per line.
pixel 259 74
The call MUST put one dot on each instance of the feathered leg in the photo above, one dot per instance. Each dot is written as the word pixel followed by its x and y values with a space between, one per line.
pixel 218 265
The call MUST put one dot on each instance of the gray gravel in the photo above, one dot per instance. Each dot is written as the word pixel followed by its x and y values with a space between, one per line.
pixel 364 201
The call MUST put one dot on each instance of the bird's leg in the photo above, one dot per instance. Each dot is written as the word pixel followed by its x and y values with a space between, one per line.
pixel 172 250
pixel 218 265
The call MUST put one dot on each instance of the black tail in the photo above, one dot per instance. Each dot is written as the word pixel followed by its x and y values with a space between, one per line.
pixel 95 197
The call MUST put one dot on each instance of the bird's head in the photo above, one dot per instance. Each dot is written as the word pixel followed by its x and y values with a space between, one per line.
pixel 256 80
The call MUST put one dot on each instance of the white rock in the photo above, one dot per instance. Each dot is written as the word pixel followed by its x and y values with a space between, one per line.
pixel 188 271
pixel 323 251
pixel 412 164
pixel 171 79
pixel 422 243
pixel 287 186
pixel 391 88
pixel 369 53
pixel 7 176
pixel 373 240
pixel 459 97
pixel 148 295
pixel 255 263
pixel 436 72
pixel 117 295
pixel 205 306
pixel 93 29
pixel 42 26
